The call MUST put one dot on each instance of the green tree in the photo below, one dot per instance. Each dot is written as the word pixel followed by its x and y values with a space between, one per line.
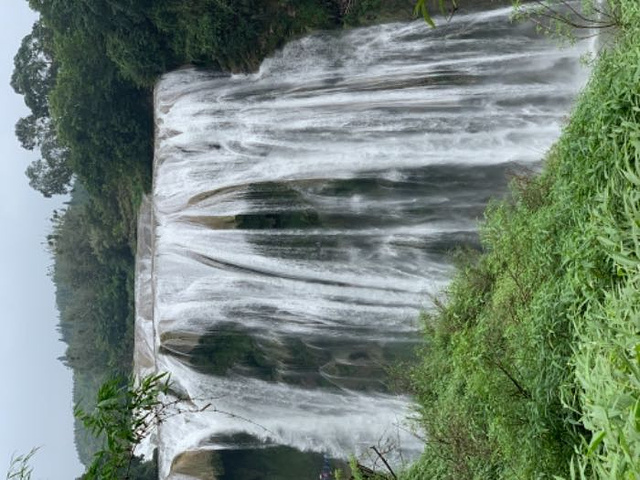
pixel 49 176
pixel 35 70
pixel 34 76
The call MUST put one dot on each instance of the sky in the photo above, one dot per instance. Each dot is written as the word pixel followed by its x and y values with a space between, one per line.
pixel 35 400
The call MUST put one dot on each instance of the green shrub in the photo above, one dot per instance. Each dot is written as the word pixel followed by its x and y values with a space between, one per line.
pixel 531 368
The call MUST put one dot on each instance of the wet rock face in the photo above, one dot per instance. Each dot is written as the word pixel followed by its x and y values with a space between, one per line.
pixel 200 464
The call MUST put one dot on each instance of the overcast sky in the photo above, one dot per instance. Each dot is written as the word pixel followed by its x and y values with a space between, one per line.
pixel 35 403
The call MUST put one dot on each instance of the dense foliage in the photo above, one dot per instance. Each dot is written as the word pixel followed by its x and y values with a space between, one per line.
pixel 126 413
pixel 531 367
pixel 95 301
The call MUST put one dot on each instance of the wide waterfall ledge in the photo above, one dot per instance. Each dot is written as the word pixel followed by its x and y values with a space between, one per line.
pixel 302 217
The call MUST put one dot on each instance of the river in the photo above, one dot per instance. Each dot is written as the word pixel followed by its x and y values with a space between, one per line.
pixel 303 216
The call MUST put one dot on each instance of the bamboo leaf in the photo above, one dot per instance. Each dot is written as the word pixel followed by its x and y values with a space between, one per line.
pixel 595 442
pixel 422 10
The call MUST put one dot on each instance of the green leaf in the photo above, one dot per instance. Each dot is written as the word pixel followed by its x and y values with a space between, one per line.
pixel 421 9
pixel 595 442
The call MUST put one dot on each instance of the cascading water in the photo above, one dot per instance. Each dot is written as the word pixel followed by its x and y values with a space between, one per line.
pixel 303 215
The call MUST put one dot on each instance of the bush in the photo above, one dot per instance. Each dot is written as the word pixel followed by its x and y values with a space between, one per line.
pixel 531 369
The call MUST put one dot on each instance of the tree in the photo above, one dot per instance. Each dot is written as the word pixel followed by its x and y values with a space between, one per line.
pixel 51 174
pixel 35 71
pixel 49 178
pixel 28 130
pixel 34 77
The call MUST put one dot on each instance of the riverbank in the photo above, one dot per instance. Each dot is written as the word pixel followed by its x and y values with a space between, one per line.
pixel 531 365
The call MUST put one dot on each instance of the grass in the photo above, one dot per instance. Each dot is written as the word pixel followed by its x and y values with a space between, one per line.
pixel 531 364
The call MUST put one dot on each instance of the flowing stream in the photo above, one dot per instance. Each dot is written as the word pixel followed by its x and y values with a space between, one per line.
pixel 303 216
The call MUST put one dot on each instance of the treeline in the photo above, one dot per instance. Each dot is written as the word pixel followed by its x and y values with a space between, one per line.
pixel 95 304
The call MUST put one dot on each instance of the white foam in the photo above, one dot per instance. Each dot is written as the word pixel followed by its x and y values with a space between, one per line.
pixel 361 128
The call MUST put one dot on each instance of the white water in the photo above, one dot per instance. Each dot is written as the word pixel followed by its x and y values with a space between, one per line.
pixel 390 140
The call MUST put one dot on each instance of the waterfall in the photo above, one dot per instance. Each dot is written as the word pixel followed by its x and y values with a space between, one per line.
pixel 303 216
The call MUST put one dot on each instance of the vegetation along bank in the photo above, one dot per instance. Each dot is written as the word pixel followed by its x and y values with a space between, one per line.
pixel 531 364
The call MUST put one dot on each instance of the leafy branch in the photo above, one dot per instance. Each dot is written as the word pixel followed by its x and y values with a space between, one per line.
pixel 126 413
pixel 421 9
pixel 19 467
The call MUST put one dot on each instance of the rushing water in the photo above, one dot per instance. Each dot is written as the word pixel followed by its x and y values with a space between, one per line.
pixel 302 217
